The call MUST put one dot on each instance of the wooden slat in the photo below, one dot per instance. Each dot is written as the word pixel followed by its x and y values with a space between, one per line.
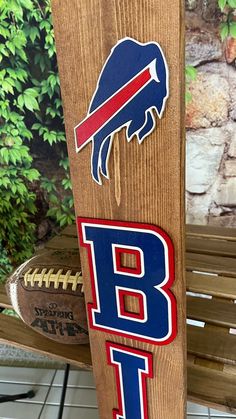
pixel 213 264
pixel 15 332
pixel 222 233
pixel 211 247
pixel 217 286
pixel 70 231
pixel 212 388
pixel 213 344
pixel 4 300
pixel 212 311
pixel 63 242
pixel 196 231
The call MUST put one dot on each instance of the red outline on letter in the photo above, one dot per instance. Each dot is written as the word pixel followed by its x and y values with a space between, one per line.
pixel 166 287
pixel 122 293
pixel 118 252
pixel 145 375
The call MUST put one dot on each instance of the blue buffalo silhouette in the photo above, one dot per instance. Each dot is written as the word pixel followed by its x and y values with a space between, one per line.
pixel 125 61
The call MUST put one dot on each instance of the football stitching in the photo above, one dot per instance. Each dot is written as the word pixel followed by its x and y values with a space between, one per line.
pixel 48 277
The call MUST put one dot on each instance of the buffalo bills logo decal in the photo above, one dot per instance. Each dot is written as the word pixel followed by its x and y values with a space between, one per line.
pixel 131 92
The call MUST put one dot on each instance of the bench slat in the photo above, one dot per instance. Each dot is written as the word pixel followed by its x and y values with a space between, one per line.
pixel 213 344
pixel 221 233
pixel 63 242
pixel 215 312
pixel 70 231
pixel 217 286
pixel 213 264
pixel 212 388
pixel 4 300
pixel 14 332
pixel 211 247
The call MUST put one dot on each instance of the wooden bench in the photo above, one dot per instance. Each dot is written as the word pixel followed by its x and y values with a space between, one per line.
pixel 211 276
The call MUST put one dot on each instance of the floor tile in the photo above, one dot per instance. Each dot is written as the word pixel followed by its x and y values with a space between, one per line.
pixel 40 391
pixel 50 412
pixel 217 414
pixel 19 411
pixel 26 375
pixel 194 409
pixel 74 397
pixel 76 379
pixel 197 417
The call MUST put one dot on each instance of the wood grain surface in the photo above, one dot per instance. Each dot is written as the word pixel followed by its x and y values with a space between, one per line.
pixel 216 286
pixel 4 300
pixel 212 343
pixel 14 332
pixel 211 232
pixel 146 181
pixel 225 266
pixel 212 388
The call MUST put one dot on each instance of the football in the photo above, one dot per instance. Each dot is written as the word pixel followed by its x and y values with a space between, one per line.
pixel 51 300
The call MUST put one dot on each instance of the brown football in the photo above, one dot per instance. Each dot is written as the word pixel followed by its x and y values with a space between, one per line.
pixel 51 300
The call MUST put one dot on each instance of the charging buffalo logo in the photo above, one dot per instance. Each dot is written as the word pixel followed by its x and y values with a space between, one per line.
pixel 131 90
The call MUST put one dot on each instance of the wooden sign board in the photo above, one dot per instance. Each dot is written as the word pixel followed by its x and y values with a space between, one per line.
pixel 121 71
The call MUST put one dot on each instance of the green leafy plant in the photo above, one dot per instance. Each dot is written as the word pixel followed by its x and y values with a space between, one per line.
pixel 190 75
pixel 228 24
pixel 30 111
pixel 5 265
pixel 60 209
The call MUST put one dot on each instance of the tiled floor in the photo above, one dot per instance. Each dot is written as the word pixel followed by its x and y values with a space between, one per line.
pixel 80 402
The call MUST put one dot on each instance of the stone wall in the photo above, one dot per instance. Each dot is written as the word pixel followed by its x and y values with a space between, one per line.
pixel 210 118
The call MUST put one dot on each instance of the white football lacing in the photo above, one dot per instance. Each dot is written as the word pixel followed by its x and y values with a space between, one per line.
pixel 47 277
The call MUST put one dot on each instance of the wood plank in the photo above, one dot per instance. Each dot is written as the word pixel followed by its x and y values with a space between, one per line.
pixel 62 242
pixel 14 332
pixel 4 300
pixel 192 230
pixel 213 344
pixel 211 246
pixel 69 231
pixel 217 286
pixel 221 233
pixel 212 264
pixel 146 181
pixel 212 388
pixel 212 311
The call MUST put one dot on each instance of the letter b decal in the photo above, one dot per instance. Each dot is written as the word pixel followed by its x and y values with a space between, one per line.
pixel 147 282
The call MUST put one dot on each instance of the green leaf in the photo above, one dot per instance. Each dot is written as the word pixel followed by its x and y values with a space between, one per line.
pixel 36 126
pixel 224 30
pixel 33 174
pixel 188 97
pixel 232 29
pixel 67 183
pixel 28 4
pixel 21 101
pixel 31 92
pixel 4 154
pixel 222 4
pixel 19 40
pixel 34 33
pixel 28 100
pixel 191 73
pixel 7 87
pixel 16 9
pixel 21 74
pixel 53 199
pixel 232 3
pixel 11 47
pixel 22 55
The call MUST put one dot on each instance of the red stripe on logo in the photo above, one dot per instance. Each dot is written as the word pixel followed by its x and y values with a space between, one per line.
pixel 97 119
